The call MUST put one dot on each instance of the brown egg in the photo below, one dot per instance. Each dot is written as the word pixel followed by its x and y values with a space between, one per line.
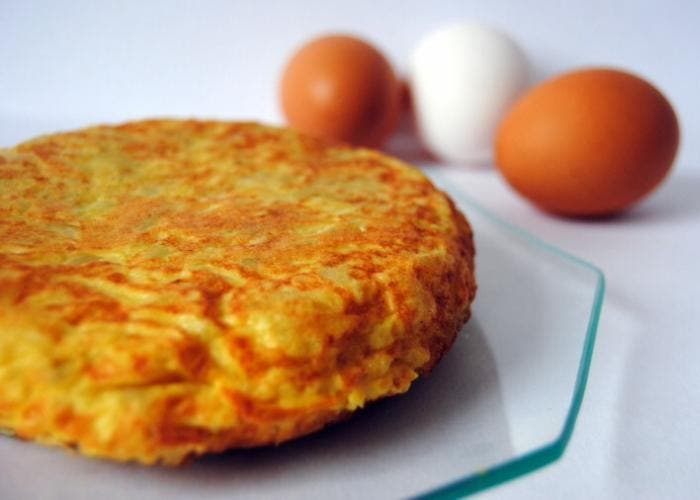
pixel 589 142
pixel 343 89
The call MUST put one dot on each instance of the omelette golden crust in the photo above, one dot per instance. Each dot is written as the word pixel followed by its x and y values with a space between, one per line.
pixel 172 288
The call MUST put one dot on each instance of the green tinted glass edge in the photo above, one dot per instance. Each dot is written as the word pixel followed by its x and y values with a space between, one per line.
pixel 550 452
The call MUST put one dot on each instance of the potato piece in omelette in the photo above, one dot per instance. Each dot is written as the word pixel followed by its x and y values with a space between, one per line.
pixel 173 288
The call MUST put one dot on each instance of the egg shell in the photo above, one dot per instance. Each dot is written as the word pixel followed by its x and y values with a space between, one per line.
pixel 341 88
pixel 589 142
pixel 464 77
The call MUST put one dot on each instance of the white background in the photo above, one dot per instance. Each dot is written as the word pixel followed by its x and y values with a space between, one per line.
pixel 70 64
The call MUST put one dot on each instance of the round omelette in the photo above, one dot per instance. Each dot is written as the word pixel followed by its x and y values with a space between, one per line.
pixel 173 288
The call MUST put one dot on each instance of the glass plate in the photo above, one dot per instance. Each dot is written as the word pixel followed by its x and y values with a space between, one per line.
pixel 503 402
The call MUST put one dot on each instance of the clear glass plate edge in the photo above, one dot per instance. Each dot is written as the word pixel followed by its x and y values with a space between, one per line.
pixel 552 451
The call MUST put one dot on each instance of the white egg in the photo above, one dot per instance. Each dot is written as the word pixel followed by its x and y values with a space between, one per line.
pixel 464 77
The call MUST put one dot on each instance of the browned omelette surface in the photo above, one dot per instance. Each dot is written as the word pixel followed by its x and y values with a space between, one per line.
pixel 172 288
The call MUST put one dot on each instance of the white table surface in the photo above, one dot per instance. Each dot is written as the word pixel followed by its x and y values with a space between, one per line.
pixel 70 64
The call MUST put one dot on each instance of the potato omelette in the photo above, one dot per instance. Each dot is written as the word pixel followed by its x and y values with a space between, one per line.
pixel 170 288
